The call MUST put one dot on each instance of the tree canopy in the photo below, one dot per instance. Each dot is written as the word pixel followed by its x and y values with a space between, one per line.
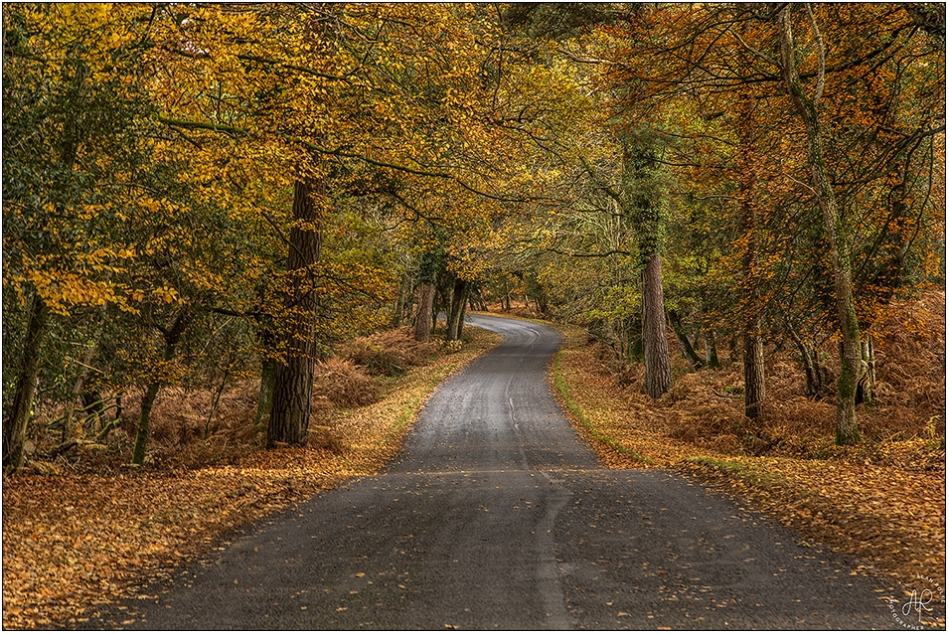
pixel 199 189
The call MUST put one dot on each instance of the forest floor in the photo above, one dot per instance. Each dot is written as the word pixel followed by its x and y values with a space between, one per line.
pixel 882 500
pixel 88 529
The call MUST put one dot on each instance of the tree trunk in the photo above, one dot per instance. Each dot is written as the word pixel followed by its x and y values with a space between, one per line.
pixel 754 377
pixel 293 386
pixel 846 424
pixel 688 350
pixel 423 316
pixel 461 317
pixel 867 373
pixel 217 401
pixel 402 303
pixel 655 346
pixel 93 410
pixel 711 354
pixel 268 377
pixel 69 429
pixel 171 337
pixel 144 422
pixel 753 347
pixel 14 428
pixel 456 310
pixel 815 374
pixel 642 202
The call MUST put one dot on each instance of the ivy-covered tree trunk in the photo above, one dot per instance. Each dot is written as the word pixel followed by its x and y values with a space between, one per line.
pixel 14 427
pixel 642 202
pixel 838 242
pixel 293 387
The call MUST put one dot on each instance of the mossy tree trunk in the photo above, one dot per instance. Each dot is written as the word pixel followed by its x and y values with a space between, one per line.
pixel 14 427
pixel 171 336
pixel 456 312
pixel 642 202
pixel 838 242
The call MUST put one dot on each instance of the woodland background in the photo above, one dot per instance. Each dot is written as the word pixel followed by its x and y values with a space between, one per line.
pixel 209 210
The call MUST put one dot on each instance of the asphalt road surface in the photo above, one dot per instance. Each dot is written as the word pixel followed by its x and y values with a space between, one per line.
pixel 497 516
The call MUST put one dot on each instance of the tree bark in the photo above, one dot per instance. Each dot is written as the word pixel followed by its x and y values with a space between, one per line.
pixel 868 373
pixel 711 354
pixel 641 201
pixel 144 423
pixel 402 303
pixel 268 377
pixel 69 429
pixel 754 377
pixel 14 428
pixel 423 316
pixel 753 347
pixel 655 345
pixel 807 108
pixel 688 350
pixel 459 296
pixel 293 386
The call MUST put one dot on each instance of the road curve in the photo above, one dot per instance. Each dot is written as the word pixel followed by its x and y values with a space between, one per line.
pixel 496 516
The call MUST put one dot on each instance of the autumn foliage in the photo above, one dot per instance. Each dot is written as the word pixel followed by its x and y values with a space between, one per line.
pixel 210 212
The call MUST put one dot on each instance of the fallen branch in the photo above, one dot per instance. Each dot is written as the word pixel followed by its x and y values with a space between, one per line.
pixel 105 430
pixel 61 449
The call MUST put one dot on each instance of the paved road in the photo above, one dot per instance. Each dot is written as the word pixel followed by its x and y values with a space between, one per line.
pixel 496 516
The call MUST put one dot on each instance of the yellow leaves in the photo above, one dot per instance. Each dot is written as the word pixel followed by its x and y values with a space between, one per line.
pixel 63 290
pixel 166 294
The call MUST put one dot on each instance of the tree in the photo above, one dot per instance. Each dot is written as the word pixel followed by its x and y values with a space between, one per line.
pixel 643 202
pixel 70 104
pixel 292 400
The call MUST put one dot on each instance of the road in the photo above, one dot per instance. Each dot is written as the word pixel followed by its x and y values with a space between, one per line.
pixel 496 516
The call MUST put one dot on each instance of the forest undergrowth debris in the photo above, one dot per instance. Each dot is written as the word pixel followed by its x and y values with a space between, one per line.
pixel 97 529
pixel 882 500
